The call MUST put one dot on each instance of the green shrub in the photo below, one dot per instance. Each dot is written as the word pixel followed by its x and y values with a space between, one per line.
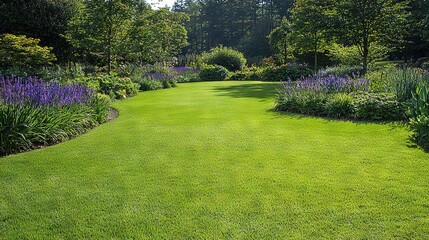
pixel 149 84
pixel 425 65
pixel 223 56
pixel 101 105
pixel 254 73
pixel 62 74
pixel 377 106
pixel 112 86
pixel 418 113
pixel 350 55
pixel 213 73
pixel 156 80
pixel 362 105
pixel 339 106
pixel 341 71
pixel 238 76
pixel 305 103
pixel 116 87
pixel 23 52
pixel 285 72
pixel 169 83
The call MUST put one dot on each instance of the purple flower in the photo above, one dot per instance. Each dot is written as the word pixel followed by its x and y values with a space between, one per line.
pixel 329 84
pixel 185 69
pixel 34 91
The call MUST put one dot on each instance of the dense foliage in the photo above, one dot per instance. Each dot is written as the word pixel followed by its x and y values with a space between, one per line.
pixel 109 32
pixel 21 52
pixel 46 20
pixel 390 94
pixel 307 30
pixel 362 23
pixel 243 25
pixel 213 73
pixel 338 97
pixel 418 112
pixel 286 72
pixel 226 57
pixel 156 36
pixel 36 113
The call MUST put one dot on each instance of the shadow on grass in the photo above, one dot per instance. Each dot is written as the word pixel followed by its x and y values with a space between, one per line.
pixel 250 90
pixel 414 143
pixel 394 124
pixel 411 142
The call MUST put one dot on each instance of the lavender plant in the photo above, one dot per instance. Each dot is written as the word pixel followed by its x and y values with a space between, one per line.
pixel 185 74
pixel 154 80
pixel 338 97
pixel 37 113
pixel 38 93
pixel 325 85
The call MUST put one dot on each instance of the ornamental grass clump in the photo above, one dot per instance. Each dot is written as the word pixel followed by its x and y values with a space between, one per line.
pixel 37 113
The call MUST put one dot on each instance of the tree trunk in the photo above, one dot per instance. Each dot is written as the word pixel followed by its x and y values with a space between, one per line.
pixel 365 56
pixel 315 55
pixel 285 49
pixel 315 61
pixel 109 39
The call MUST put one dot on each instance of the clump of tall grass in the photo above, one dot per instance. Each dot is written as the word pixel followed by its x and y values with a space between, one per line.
pixel 400 81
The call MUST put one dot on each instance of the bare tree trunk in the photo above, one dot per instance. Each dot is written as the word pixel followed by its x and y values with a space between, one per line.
pixel 109 39
pixel 316 46
pixel 285 49
pixel 365 55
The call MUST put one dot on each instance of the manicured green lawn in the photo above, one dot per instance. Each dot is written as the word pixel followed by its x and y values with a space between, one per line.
pixel 209 161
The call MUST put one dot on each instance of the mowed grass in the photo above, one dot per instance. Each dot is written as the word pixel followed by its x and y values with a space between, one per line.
pixel 211 161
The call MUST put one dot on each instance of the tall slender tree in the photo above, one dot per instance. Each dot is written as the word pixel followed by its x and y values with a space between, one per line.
pixel 280 39
pixel 364 22
pixel 309 20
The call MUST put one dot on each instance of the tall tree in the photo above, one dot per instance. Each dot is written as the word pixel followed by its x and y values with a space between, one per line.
pixel 309 19
pixel 364 22
pixel 100 29
pixel 157 36
pixel 280 39
pixel 43 19
pixel 242 24
pixel 418 37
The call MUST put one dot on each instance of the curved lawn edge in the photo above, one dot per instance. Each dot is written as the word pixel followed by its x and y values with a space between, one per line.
pixel 208 160
pixel 112 115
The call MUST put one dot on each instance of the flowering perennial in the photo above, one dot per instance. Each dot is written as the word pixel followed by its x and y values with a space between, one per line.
pixel 330 84
pixel 36 92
